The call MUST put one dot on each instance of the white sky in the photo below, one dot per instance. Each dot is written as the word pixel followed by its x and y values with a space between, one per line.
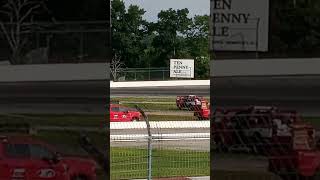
pixel 153 7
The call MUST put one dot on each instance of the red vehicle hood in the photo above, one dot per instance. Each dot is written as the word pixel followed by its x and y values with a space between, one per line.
pixel 135 113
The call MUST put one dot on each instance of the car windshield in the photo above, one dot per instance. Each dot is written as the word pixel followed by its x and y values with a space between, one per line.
pixel 132 109
pixel 39 151
pixel 17 150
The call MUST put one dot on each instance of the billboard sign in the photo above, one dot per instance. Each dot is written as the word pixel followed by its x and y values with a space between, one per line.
pixel 239 25
pixel 181 68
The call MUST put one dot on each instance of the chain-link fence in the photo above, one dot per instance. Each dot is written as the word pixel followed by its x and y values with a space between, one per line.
pixel 263 143
pixel 67 42
pixel 144 74
pixel 152 74
pixel 180 142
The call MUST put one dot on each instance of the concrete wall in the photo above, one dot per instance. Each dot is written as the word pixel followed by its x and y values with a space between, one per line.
pixel 265 67
pixel 54 72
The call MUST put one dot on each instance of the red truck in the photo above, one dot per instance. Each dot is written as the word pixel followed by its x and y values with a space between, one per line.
pixel 190 102
pixel 119 113
pixel 23 157
pixel 252 127
pixel 302 159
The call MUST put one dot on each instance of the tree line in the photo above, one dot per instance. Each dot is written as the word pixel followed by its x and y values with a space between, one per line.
pixel 142 44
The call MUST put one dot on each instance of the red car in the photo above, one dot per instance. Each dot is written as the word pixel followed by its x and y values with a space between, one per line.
pixel 23 157
pixel 302 159
pixel 252 127
pixel 204 112
pixel 190 102
pixel 120 113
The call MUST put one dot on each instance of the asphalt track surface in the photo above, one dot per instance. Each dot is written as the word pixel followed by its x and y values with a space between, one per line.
pixel 161 91
pixel 54 97
pixel 74 96
pixel 300 93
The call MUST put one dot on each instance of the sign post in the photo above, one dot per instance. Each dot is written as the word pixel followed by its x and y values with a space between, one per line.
pixel 182 68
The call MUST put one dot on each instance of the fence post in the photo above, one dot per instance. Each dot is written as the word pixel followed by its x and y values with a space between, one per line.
pixel 149 142
pixel 38 39
pixel 81 47
pixel 163 75
pixel 257 38
pixel 149 150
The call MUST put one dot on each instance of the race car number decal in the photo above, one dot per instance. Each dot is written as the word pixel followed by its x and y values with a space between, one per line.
pixel 46 173
pixel 124 116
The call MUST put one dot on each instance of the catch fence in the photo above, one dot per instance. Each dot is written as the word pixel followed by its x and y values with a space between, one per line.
pixel 179 144
pixel 144 74
pixel 152 74
pixel 59 42
pixel 263 143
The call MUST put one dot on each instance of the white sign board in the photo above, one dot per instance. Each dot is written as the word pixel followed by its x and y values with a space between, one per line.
pixel 182 68
pixel 239 25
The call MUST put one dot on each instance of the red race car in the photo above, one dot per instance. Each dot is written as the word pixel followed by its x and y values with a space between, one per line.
pixel 301 159
pixel 203 113
pixel 120 113
pixel 190 102
pixel 23 157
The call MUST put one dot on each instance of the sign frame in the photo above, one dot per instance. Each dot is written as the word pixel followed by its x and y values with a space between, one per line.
pixel 239 25
pixel 182 68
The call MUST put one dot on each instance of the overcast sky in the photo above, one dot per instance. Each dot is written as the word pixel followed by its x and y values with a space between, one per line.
pixel 153 7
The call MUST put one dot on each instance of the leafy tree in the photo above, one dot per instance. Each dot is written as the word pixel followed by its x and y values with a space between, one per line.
pixel 295 28
pixel 171 28
pixel 197 42
pixel 151 44
pixel 128 28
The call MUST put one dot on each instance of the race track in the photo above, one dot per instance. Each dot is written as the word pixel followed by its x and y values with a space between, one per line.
pixel 54 97
pixel 160 91
pixel 300 93
pixel 196 143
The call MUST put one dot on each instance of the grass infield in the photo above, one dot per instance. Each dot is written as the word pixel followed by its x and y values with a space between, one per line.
pixel 132 163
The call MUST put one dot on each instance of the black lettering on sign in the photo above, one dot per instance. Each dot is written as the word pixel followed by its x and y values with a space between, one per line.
pixel 230 18
pixel 221 31
pixel 177 62
pixel 222 4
